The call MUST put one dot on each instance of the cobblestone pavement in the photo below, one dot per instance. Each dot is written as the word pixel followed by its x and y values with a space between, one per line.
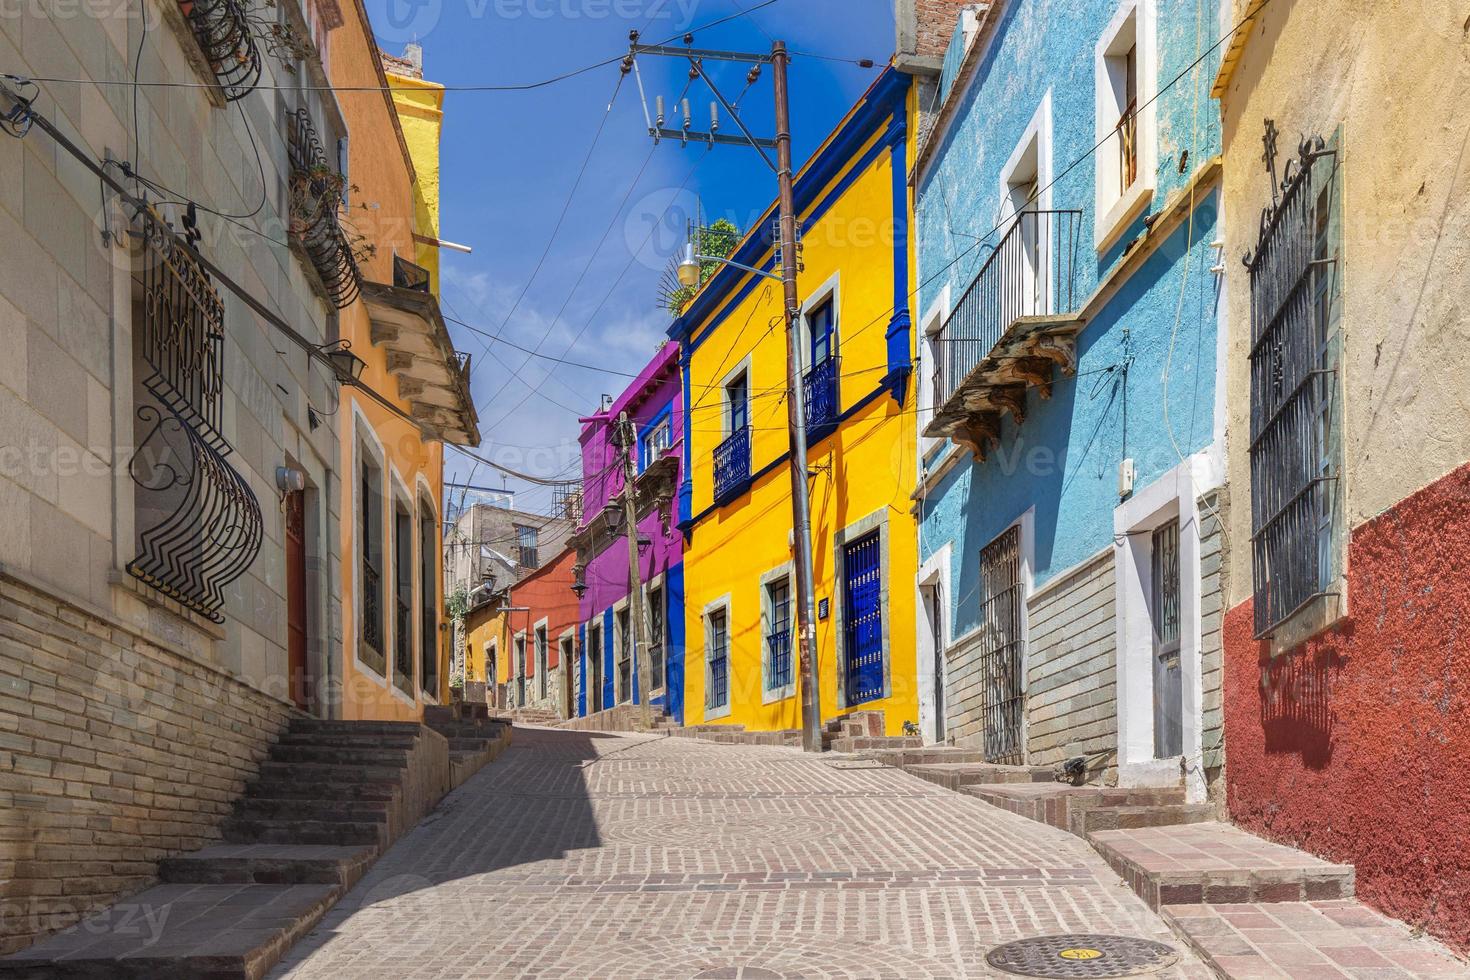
pixel 587 855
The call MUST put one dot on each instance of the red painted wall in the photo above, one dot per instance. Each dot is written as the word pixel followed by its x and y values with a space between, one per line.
pixel 548 593
pixel 1356 746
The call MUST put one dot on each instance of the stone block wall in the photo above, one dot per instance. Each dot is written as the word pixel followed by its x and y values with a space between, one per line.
pixel 1072 669
pixel 115 751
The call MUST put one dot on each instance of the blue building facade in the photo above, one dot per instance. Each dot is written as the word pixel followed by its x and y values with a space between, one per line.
pixel 1067 212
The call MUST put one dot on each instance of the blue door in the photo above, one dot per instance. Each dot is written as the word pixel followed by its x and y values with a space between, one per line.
pixel 862 618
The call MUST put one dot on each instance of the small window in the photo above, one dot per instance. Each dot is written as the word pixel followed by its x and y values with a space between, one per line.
pixel 370 556
pixel 623 640
pixel 737 404
pixel 717 660
pixel 656 637
pixel 1125 126
pixel 822 328
pixel 527 553
pixel 654 442
pixel 778 635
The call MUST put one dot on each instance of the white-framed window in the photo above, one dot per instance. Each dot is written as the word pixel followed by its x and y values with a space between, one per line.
pixel 717 658
pixel 655 442
pixel 542 663
pixel 657 621
pixel 778 634
pixel 737 403
pixel 371 557
pixel 1126 127
pixel 1025 197
pixel 623 653
pixel 930 371
pixel 402 607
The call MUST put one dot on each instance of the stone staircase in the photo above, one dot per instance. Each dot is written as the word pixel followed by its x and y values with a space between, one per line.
pixel 475 739
pixel 863 731
pixel 331 796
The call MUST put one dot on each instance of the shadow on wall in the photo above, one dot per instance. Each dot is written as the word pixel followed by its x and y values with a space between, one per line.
pixel 526 807
pixel 1296 702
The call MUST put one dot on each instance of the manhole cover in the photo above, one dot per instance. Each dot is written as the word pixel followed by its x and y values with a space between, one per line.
pixel 1081 956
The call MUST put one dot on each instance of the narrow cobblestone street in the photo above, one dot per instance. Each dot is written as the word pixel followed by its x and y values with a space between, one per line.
pixel 589 855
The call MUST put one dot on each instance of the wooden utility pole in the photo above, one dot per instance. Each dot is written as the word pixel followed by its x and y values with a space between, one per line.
pixel 636 605
pixel 801 523
pixel 801 513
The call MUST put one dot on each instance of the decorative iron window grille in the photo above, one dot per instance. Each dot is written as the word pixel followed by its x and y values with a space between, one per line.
pixel 528 553
pixel 778 636
pixel 1000 648
pixel 199 522
pixel 407 275
pixel 1293 359
pixel 316 213
pixel 1030 272
pixel 403 601
pixel 717 684
pixel 222 30
pixel 732 465
pixel 819 389
pixel 371 550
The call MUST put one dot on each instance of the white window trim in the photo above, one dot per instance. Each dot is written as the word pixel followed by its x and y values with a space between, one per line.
pixel 519 640
pixel 934 574
pixel 831 289
pixel 567 662
pixel 1173 495
pixel 398 496
pixel 714 714
pixel 876 521
pixel 786 571
pixel 1036 139
pixel 1114 211
pixel 364 438
pixel 933 322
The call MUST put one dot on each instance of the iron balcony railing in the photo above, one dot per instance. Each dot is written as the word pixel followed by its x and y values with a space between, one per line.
pixel 316 213
pixel 222 29
pixel 732 465
pixel 819 392
pixel 1030 272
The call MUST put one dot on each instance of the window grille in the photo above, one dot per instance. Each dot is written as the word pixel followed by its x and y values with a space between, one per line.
pixel 717 684
pixel 316 213
pixel 778 636
pixel 429 601
pixel 1294 273
pixel 1001 647
pixel 656 637
pixel 403 600
pixel 527 552
pixel 200 524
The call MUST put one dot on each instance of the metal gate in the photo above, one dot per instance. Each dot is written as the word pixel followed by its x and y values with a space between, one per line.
pixel 1168 679
pixel 1002 647
pixel 862 618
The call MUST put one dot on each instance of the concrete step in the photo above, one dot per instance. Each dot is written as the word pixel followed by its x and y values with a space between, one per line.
pixel 365 728
pixel 180 930
pixel 269 864
pixel 339 755
pixel 957 775
pixel 1217 864
pixel 1057 804
pixel 1088 819
pixel 1336 938
pixel 324 809
pixel 285 787
pixel 928 755
pixel 282 830
pixel 320 773
pixel 862 743
pixel 350 740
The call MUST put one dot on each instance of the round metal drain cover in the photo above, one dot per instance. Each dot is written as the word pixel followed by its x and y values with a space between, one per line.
pixel 1081 956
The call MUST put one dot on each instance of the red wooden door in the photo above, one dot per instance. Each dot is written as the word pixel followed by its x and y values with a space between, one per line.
pixel 296 597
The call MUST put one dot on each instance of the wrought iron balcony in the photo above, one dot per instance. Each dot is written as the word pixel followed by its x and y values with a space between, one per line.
pixel 222 30
pixel 819 393
pixel 316 214
pixel 1013 325
pixel 732 466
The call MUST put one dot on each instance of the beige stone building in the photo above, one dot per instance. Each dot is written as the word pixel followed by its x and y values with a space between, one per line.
pixel 170 428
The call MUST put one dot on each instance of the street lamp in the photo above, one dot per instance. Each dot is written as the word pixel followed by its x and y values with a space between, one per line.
pixel 347 365
pixel 691 267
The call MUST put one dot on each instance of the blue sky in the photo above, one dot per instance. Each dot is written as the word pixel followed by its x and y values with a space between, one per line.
pixel 509 160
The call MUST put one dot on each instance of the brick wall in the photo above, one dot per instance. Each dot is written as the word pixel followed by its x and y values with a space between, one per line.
pixel 1072 667
pixel 924 28
pixel 114 753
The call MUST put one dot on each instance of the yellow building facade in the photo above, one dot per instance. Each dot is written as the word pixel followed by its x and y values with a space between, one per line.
pixel 735 505
pixel 395 644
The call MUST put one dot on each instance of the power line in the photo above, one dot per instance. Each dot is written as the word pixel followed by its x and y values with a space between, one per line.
pixel 514 87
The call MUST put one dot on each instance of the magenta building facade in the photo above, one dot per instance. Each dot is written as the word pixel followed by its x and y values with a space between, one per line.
pixel 606 673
